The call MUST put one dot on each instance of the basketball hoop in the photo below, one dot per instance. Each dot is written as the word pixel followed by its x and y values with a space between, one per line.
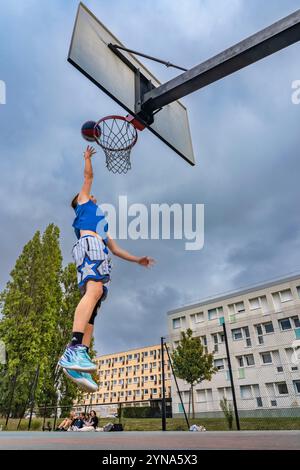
pixel 118 135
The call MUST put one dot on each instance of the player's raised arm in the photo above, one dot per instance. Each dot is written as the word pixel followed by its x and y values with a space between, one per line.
pixel 118 251
pixel 85 191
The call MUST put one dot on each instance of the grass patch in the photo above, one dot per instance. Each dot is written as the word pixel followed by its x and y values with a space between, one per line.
pixel 173 424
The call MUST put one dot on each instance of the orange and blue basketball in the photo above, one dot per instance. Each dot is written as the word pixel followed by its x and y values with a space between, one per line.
pixel 90 131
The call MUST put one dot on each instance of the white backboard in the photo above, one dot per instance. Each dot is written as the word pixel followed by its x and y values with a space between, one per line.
pixel 89 53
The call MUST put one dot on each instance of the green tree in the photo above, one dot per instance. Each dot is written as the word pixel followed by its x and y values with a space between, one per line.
pixel 18 326
pixel 37 308
pixel 228 411
pixel 191 362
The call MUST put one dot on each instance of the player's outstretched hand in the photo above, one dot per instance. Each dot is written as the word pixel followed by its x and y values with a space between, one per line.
pixel 146 261
pixel 89 152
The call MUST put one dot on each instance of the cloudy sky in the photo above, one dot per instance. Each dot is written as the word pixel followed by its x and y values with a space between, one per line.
pixel 245 132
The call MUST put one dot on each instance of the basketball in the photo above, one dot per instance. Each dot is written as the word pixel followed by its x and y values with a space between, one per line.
pixel 90 130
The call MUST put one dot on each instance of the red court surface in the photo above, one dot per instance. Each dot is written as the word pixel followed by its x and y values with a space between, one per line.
pixel 264 440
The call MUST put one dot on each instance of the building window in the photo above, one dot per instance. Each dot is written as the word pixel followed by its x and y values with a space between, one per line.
pixel 282 388
pixel 237 307
pixel 296 384
pixel 154 391
pixel 178 322
pixel 285 295
pixel 254 303
pixel 237 334
pixel 219 364
pixel 296 322
pixel 285 324
pixel 268 327
pixel 214 313
pixel 263 329
pixel 259 302
pixel 266 357
pixel 246 361
pixel 246 392
pixel 259 402
pixel 197 317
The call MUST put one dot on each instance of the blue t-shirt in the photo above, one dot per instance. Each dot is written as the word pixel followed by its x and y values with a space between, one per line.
pixel 89 216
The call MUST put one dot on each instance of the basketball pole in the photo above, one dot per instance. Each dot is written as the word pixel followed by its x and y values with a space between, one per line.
pixel 236 413
pixel 163 403
pixel 268 41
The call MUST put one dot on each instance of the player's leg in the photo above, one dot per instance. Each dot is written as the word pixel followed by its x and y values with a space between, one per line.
pixel 76 357
pixel 85 309
pixel 89 329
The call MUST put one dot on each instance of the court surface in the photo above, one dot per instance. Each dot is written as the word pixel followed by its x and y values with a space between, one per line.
pixel 278 440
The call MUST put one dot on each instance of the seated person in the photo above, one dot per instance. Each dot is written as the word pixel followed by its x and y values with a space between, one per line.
pixel 67 422
pixel 91 424
pixel 78 422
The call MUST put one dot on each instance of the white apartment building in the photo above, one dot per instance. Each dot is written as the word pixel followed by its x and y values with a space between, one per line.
pixel 263 330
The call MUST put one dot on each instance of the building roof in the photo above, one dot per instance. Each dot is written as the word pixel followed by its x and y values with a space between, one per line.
pixel 235 293
pixel 128 351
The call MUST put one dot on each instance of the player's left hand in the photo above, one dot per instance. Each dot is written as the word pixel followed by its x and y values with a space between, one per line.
pixel 146 261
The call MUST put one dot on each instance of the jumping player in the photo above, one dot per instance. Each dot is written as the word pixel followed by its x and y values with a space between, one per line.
pixel 91 255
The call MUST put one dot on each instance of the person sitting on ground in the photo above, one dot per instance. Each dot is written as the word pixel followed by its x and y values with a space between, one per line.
pixel 67 422
pixel 78 423
pixel 92 423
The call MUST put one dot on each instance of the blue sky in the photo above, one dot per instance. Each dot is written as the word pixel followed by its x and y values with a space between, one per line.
pixel 246 140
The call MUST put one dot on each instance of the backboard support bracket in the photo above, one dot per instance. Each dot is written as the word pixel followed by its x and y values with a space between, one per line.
pixel 142 86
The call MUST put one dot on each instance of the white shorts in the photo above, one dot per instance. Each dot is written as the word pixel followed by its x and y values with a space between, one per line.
pixel 92 261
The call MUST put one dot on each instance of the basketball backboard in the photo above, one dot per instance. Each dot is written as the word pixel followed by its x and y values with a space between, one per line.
pixel 121 75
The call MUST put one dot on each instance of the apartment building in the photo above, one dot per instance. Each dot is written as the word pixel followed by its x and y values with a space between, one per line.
pixel 263 329
pixel 132 377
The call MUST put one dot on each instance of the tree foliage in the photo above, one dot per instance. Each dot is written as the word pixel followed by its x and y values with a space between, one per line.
pixel 191 362
pixel 37 308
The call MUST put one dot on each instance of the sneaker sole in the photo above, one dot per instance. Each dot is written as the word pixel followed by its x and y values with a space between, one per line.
pixel 77 368
pixel 81 383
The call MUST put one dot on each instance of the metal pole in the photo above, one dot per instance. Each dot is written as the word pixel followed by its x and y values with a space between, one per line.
pixel 36 378
pixel 120 413
pixel 270 40
pixel 44 418
pixel 179 393
pixel 55 417
pixel 231 379
pixel 155 59
pixel 163 403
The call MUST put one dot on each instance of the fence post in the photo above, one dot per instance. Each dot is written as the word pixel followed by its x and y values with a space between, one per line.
pixel 44 418
pixel 236 413
pixel 120 413
pixel 179 393
pixel 55 417
pixel 163 403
